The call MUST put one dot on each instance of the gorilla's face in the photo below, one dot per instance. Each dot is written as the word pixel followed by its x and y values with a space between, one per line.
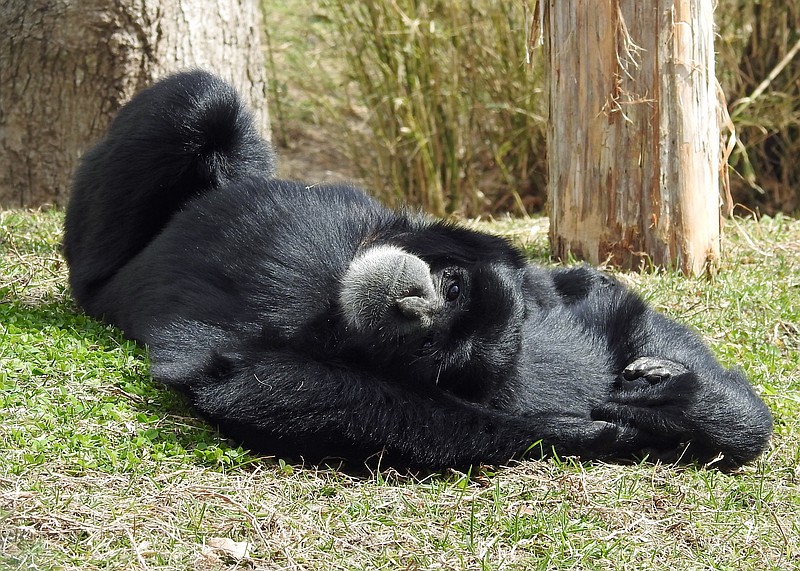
pixel 433 321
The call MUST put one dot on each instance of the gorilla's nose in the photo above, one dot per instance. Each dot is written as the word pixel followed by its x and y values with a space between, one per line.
pixel 418 308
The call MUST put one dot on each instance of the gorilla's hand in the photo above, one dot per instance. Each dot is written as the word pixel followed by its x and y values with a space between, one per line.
pixel 652 370
pixel 716 412
pixel 656 394
pixel 390 292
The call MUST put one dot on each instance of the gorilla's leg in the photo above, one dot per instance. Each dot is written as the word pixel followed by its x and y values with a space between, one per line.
pixel 184 136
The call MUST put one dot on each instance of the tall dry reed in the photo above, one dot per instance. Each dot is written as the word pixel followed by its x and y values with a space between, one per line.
pixel 434 104
pixel 452 113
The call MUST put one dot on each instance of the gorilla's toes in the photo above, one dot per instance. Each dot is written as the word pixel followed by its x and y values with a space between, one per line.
pixel 653 370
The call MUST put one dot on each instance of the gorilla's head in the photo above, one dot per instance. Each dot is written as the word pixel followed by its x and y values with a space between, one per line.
pixel 435 319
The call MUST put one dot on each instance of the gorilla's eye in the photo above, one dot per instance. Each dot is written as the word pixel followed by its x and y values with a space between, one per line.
pixel 453 291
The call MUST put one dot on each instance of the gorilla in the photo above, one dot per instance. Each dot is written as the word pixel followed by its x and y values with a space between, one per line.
pixel 310 321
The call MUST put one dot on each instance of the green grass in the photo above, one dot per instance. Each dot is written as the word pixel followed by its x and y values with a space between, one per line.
pixel 102 469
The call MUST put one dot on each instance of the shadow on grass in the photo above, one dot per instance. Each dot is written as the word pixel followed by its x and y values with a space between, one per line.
pixel 65 347
pixel 55 345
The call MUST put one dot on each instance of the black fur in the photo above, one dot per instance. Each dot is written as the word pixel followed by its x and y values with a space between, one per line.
pixel 177 233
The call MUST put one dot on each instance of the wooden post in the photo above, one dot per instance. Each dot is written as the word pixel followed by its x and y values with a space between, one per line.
pixel 633 141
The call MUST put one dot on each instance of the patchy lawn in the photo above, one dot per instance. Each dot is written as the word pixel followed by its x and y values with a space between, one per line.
pixel 102 469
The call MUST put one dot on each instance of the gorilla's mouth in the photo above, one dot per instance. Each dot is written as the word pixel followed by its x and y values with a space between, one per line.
pixel 427 348
pixel 386 289
pixel 417 347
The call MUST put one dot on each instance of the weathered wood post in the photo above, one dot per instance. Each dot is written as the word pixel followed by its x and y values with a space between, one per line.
pixel 633 134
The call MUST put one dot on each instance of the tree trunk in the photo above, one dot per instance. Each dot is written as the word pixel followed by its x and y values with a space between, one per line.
pixel 633 146
pixel 66 67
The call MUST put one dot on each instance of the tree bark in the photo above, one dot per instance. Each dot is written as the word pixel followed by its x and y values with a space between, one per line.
pixel 633 147
pixel 66 67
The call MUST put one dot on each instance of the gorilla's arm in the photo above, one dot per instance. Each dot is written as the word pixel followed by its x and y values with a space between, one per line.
pixel 278 402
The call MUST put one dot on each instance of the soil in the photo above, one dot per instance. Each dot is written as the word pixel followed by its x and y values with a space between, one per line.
pixel 305 155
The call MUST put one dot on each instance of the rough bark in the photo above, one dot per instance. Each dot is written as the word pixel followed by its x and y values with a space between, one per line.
pixel 66 67
pixel 634 138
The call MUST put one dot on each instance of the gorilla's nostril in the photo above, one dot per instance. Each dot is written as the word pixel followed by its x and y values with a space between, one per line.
pixel 416 308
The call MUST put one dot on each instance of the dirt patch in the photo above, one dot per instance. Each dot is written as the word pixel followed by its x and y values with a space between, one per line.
pixel 308 156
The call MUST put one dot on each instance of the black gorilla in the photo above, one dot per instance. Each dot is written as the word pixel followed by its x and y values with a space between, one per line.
pixel 311 321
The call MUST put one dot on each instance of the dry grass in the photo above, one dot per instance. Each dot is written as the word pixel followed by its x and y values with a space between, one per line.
pixel 101 469
pixel 538 515
pixel 759 66
pixel 432 102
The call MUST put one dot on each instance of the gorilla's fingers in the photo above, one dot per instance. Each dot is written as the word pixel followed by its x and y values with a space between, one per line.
pixel 655 420
pixel 598 437
pixel 653 370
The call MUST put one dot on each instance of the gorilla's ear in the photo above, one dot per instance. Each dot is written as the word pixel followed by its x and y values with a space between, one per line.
pixel 386 287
